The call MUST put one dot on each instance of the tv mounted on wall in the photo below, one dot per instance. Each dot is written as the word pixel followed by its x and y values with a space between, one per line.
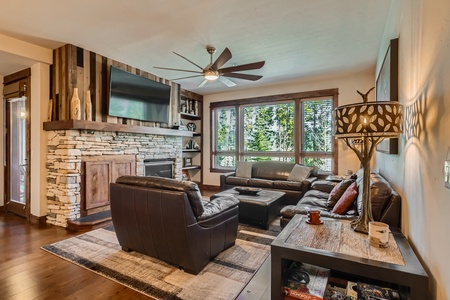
pixel 135 97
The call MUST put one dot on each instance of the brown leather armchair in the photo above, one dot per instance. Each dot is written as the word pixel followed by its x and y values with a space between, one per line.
pixel 168 220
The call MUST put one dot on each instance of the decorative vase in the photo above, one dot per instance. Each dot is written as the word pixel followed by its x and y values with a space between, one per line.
pixel 75 106
pixel 88 106
pixel 50 110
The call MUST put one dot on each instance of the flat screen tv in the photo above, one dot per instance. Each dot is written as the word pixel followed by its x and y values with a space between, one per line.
pixel 135 97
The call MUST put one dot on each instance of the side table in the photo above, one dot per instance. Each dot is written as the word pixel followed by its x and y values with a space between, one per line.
pixel 335 246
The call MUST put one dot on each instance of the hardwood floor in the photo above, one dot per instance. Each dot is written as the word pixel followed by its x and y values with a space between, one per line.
pixel 28 272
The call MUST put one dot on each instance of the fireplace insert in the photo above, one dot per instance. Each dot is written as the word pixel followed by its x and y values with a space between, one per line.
pixel 159 167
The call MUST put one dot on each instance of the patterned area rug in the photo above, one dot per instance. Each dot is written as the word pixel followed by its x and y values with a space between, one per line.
pixel 223 278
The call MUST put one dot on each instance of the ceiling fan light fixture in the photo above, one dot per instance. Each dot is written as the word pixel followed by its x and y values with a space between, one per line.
pixel 211 75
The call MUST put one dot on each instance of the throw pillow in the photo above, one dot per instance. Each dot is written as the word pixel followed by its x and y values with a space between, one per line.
pixel 244 169
pixel 315 171
pixel 337 192
pixel 299 173
pixel 346 201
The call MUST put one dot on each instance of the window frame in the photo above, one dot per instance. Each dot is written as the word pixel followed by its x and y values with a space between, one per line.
pixel 297 98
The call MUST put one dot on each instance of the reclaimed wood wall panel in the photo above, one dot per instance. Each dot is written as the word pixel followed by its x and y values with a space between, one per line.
pixel 76 67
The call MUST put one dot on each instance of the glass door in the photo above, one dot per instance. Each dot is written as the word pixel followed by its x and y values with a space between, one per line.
pixel 16 156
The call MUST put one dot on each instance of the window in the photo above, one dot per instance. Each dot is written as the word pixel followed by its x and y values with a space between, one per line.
pixel 268 132
pixel 294 128
pixel 225 137
pixel 317 139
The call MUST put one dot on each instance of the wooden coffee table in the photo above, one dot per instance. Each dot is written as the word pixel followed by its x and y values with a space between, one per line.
pixel 335 246
pixel 260 209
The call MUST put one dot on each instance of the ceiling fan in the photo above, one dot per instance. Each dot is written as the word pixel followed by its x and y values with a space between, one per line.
pixel 213 71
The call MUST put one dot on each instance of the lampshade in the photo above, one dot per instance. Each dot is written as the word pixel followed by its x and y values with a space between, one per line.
pixel 375 119
pixel 211 75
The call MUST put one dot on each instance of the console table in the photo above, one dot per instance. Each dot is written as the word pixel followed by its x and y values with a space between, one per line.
pixel 334 245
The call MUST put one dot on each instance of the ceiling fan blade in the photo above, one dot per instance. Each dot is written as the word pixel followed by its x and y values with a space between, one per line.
pixel 243 76
pixel 222 59
pixel 171 69
pixel 203 83
pixel 186 77
pixel 227 81
pixel 188 60
pixel 251 66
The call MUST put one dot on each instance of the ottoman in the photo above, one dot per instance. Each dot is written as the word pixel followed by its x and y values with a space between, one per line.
pixel 259 209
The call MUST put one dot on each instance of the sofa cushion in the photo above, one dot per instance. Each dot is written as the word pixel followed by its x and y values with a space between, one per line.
pixel 289 211
pixel 337 192
pixel 299 173
pixel 190 188
pixel 380 194
pixel 347 199
pixel 323 185
pixel 244 169
pixel 263 183
pixel 272 170
pixel 287 185
pixel 314 199
pixel 232 180
pixel 217 206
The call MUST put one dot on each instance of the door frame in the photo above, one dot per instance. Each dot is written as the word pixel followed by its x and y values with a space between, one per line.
pixel 15 86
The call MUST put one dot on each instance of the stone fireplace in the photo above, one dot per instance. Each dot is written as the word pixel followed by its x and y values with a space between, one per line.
pixel 69 151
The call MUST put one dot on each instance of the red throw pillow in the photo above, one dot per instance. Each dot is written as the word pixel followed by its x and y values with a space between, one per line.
pixel 347 199
pixel 337 192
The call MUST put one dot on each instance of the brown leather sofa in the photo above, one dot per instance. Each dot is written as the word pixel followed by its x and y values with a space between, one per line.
pixel 386 202
pixel 271 175
pixel 168 220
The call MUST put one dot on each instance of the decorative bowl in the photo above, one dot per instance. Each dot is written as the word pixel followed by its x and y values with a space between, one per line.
pixel 247 191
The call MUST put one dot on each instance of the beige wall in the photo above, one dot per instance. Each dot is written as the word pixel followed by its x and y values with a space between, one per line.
pixel 39 59
pixel 2 169
pixel 423 29
pixel 346 83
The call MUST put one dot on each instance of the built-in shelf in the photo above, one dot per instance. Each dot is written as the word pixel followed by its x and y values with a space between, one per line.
pixel 192 168
pixel 190 116
pixel 111 127
pixel 192 150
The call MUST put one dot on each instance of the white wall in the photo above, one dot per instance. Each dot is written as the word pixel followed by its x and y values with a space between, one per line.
pixel 346 83
pixel 423 29
pixel 40 93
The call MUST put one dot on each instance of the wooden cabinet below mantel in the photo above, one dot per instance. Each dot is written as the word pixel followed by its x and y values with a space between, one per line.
pixel 96 174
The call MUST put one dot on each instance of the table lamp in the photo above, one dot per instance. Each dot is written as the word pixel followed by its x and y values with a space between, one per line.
pixel 370 122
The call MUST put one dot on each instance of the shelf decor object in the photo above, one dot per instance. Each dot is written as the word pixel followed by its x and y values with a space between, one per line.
pixel 372 122
pixel 75 110
pixel 88 106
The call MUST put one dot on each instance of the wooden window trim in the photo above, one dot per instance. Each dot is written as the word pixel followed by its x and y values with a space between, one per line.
pixel 296 97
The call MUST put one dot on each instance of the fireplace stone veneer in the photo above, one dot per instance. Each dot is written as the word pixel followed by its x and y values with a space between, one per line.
pixel 68 148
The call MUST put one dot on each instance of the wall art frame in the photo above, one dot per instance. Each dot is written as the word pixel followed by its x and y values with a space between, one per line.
pixel 387 90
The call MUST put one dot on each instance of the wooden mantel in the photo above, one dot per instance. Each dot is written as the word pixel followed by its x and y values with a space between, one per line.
pixel 110 127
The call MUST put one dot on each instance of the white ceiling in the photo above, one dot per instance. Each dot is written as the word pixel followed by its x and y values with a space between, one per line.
pixel 296 38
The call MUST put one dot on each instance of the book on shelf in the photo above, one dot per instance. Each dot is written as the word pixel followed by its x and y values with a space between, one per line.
pixel 305 281
pixel 374 292
pixel 352 290
pixel 336 289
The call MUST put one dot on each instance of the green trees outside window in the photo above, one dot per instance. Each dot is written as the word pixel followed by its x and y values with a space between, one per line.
pixel 277 130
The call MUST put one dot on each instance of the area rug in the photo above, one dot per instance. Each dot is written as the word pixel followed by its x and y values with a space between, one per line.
pixel 223 278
